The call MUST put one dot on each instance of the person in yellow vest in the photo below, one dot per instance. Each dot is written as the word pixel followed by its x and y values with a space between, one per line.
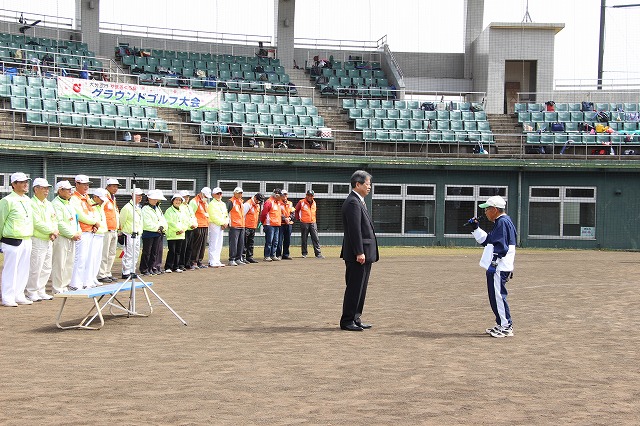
pixel 251 209
pixel 100 198
pixel 16 230
pixel 110 240
pixel 45 231
pixel 306 214
pixel 88 219
pixel 271 218
pixel 64 247
pixel 218 222
pixel 154 226
pixel 236 228
pixel 131 227
pixel 198 206
pixel 286 226
pixel 177 225
pixel 192 222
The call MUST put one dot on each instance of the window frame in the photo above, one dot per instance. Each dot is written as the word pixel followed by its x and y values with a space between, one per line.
pixel 475 197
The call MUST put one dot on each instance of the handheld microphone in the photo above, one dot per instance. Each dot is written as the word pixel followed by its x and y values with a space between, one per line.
pixel 467 223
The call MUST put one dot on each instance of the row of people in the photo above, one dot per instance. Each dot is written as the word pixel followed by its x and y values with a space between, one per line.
pixel 73 238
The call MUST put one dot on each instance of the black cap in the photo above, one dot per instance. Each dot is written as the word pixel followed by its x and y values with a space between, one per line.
pixel 277 191
pixel 310 192
pixel 259 197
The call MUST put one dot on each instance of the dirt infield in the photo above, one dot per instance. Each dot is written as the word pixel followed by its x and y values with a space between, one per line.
pixel 263 347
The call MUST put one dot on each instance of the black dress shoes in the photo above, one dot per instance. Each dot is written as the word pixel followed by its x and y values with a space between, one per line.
pixel 364 325
pixel 350 327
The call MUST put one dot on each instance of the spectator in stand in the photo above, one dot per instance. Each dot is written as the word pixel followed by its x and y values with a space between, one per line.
pixel 154 225
pixel 88 219
pixel 236 228
pixel 192 223
pixel 110 241
pixel 64 247
pixel 100 197
pixel 271 218
pixel 16 230
pixel 45 231
pixel 251 209
pixel 131 227
pixel 177 224
pixel 286 226
pixel 218 222
pixel 306 213
pixel 200 234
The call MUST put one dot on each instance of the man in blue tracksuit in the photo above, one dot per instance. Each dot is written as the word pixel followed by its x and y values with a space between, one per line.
pixel 498 258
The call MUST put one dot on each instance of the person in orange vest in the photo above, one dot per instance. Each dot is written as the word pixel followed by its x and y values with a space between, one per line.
pixel 306 214
pixel 271 218
pixel 251 210
pixel 199 205
pixel 110 240
pixel 88 219
pixel 286 226
pixel 236 228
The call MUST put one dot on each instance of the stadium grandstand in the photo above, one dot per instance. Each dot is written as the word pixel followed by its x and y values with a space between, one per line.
pixel 439 132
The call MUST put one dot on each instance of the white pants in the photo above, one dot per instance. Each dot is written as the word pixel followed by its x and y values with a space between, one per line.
pixel 95 259
pixel 40 267
pixel 15 271
pixel 215 244
pixel 131 254
pixel 64 252
pixel 81 261
pixel 109 244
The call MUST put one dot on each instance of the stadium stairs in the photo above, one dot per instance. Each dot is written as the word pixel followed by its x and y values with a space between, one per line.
pixel 504 127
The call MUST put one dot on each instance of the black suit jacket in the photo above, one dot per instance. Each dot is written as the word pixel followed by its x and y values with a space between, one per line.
pixel 359 235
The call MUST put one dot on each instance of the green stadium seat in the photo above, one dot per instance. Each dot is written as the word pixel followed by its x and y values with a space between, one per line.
pixel 208 116
pixel 484 126
pixel 109 109
pixel 524 117
pixel 278 119
pixel 455 115
pixel 456 125
pixel 400 105
pixel 275 109
pixel 49 105
pixel 393 113
pixel 442 115
pixel 575 107
pixel 34 117
pixel 550 116
pixel 264 118
pixel 368 134
pixel 442 124
pixel 317 120
pixel 238 117
pixel 402 124
pixel 448 136
pixel 361 123
pixel 305 120
pixel 19 80
pixel 291 120
pixel 355 113
pixel 405 114
pixel 34 104
pixel 107 122
pixel 19 103
pixel 470 125
pixel 18 91
pixel 95 108
pixel 123 110
pixel 93 121
pixel 33 92
pixel 537 117
pixel 288 109
pixel 388 124
pixel 415 124
pixel 382 135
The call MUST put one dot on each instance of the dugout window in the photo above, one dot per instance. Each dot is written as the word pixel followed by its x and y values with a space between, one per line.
pixel 562 212
pixel 461 203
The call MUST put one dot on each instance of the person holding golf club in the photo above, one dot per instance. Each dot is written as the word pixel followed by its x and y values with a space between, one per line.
pixel 498 258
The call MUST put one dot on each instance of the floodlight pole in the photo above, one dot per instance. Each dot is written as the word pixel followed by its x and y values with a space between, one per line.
pixel 603 9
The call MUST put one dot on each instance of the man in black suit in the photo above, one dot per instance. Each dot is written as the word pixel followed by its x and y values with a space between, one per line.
pixel 359 251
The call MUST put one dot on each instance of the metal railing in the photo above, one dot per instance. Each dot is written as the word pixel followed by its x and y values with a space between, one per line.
pixel 46 20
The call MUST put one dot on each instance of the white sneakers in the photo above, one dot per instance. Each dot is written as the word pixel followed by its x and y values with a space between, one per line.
pixel 498 331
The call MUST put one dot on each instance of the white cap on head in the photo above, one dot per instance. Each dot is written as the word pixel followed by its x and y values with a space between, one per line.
pixel 185 193
pixel 82 179
pixel 176 195
pixel 155 194
pixel 206 191
pixel 19 177
pixel 285 192
pixel 495 201
pixel 138 191
pixel 237 189
pixel 216 190
pixel 63 184
pixel 113 181
pixel 102 193
pixel 40 182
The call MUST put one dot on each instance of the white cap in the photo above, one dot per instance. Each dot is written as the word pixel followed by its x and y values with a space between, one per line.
pixel 495 201
pixel 185 193
pixel 285 192
pixel 138 191
pixel 177 195
pixel 19 177
pixel 216 190
pixel 63 184
pixel 40 182
pixel 155 194
pixel 238 189
pixel 102 193
pixel 113 181
pixel 82 179
pixel 206 191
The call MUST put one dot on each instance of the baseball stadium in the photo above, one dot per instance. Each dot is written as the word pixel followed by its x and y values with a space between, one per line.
pixel 537 102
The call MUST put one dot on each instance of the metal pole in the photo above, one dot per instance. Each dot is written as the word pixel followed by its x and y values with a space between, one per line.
pixel 603 6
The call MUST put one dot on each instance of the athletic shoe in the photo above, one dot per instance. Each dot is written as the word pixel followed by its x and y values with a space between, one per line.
pixel 45 296
pixel 232 263
pixel 241 262
pixel 267 259
pixel 252 260
pixel 34 298
pixel 10 304
pixel 304 256
pixel 319 256
pixel 287 258
pixel 494 328
pixel 276 258
pixel 502 332
pixel 178 270
pixel 168 271
pixel 24 302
